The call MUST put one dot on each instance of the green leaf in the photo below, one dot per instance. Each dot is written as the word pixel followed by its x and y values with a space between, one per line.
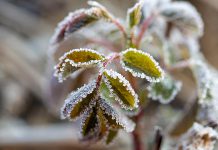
pixel 105 92
pixel 76 59
pixel 120 89
pixel 80 101
pixel 134 14
pixel 185 16
pixel 164 91
pixel 75 21
pixel 89 122
pixel 141 64
pixel 111 135
pixel 103 123
pixel 115 118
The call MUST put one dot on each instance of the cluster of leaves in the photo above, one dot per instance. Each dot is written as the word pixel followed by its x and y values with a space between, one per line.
pixel 96 102
pixel 93 102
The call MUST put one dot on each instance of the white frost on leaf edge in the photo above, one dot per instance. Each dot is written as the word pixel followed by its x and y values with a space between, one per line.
pixel 84 117
pixel 152 95
pixel 121 119
pixel 63 61
pixel 77 96
pixel 116 75
pixel 142 75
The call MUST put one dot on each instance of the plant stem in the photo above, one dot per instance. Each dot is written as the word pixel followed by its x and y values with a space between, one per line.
pixel 120 27
pixel 137 141
pixel 144 26
pixel 158 139
pixel 109 60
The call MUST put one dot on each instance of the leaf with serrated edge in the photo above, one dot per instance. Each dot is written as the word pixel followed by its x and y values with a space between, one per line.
pixel 76 20
pixel 79 101
pixel 105 92
pixel 76 59
pixel 115 118
pixel 185 16
pixel 165 90
pixel 141 64
pixel 111 135
pixel 120 89
pixel 134 14
pixel 89 122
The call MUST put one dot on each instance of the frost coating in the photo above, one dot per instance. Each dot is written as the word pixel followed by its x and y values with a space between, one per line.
pixel 184 15
pixel 169 86
pixel 122 120
pixel 89 120
pixel 204 81
pixel 134 14
pixel 67 60
pixel 126 84
pixel 141 74
pixel 199 138
pixel 76 20
pixel 77 96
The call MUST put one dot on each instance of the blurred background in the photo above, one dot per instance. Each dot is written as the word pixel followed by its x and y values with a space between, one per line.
pixel 30 97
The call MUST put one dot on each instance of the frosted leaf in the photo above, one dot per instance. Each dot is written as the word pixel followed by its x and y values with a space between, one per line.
pixel 111 135
pixel 78 102
pixel 115 118
pixel 152 5
pixel 204 81
pixel 105 92
pixel 89 123
pixel 120 89
pixel 76 20
pixel 134 14
pixel 164 91
pixel 141 64
pixel 104 11
pixel 185 16
pixel 103 123
pixel 76 59
pixel 199 138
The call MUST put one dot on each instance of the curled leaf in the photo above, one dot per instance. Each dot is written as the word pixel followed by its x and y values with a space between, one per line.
pixel 165 90
pixel 115 118
pixel 134 14
pixel 76 59
pixel 76 20
pixel 120 89
pixel 141 64
pixel 79 102
pixel 185 16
